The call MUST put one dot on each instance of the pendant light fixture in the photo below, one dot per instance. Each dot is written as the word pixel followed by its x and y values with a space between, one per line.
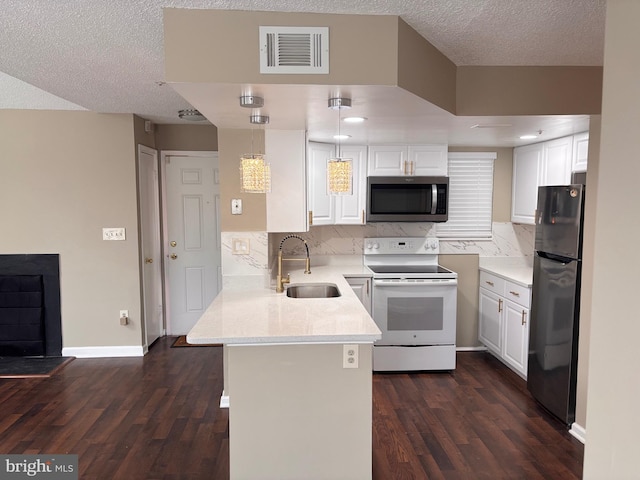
pixel 255 172
pixel 339 170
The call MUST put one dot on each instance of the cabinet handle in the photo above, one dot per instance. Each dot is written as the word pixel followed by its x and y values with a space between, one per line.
pixel 488 282
pixel 524 317
pixel 499 305
pixel 404 167
pixel 413 167
pixel 310 217
pixel 367 287
pixel 363 217
pixel 516 294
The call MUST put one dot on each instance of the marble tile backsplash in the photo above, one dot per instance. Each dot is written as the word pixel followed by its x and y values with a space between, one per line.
pixel 509 240
pixel 246 255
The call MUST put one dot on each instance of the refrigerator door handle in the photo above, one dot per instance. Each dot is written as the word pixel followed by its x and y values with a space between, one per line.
pixel 555 258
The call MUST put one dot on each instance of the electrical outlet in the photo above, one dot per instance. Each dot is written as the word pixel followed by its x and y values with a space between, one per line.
pixel 350 356
pixel 124 317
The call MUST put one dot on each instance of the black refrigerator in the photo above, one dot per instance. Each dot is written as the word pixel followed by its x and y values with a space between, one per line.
pixel 555 304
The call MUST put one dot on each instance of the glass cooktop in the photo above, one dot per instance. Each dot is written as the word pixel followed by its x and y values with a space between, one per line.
pixel 408 269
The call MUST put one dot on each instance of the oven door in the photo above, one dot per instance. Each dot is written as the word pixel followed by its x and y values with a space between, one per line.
pixel 415 311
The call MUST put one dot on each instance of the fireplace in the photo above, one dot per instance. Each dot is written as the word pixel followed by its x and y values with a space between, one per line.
pixel 30 318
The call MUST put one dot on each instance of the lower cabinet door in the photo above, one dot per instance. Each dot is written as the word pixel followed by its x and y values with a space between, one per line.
pixel 490 319
pixel 516 336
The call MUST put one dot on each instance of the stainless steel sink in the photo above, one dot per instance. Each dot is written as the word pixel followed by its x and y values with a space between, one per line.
pixel 313 290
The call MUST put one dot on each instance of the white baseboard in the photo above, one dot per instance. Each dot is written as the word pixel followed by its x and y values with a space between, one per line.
pixel 578 432
pixel 102 352
pixel 471 349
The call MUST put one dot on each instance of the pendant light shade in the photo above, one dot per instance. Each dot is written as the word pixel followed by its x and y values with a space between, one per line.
pixel 339 170
pixel 255 174
pixel 340 176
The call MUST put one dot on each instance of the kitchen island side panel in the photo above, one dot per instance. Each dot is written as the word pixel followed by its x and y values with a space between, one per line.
pixel 296 413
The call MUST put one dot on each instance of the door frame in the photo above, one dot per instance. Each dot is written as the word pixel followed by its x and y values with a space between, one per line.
pixel 165 221
pixel 158 213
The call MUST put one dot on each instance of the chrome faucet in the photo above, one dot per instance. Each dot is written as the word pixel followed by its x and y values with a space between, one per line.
pixel 307 269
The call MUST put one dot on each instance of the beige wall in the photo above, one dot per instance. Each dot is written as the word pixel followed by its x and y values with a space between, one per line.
pixel 587 270
pixel 148 139
pixel 207 34
pixel 233 143
pixel 528 90
pixel 424 70
pixel 466 266
pixel 65 176
pixel 611 450
pixel 186 137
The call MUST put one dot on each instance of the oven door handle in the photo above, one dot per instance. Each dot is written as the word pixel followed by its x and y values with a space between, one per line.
pixel 413 283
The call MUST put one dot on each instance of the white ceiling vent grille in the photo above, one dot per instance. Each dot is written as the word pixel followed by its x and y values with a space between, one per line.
pixel 294 50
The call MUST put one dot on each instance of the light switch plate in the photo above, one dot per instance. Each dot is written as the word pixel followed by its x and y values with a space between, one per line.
pixel 113 234
pixel 240 246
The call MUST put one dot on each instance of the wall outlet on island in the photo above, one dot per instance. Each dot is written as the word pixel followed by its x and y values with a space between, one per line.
pixel 124 317
pixel 350 356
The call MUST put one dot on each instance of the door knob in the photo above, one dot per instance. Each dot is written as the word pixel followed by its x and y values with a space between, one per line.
pixel 148 260
pixel 173 256
pixel 173 243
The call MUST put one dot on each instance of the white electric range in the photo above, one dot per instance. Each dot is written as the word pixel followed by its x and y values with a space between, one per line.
pixel 414 304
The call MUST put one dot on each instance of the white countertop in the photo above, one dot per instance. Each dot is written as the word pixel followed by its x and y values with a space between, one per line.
pixel 520 272
pixel 261 316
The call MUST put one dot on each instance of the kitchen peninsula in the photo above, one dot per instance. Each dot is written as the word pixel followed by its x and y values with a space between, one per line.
pixel 295 411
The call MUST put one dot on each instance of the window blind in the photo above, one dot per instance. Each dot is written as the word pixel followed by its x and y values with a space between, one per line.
pixel 470 196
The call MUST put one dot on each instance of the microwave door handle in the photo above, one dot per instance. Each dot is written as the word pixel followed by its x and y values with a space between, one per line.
pixel 434 198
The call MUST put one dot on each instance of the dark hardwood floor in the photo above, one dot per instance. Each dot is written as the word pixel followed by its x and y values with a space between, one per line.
pixel 157 417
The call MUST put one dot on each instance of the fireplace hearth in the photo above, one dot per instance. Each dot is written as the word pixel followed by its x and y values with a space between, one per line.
pixel 30 317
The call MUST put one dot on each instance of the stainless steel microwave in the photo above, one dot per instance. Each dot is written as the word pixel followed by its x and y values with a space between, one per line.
pixel 407 199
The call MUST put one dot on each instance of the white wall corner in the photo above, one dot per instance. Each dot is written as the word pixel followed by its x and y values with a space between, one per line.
pixel 578 432
pixel 104 352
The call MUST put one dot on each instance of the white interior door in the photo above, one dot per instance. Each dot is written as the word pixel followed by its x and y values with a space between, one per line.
pixel 149 189
pixel 192 250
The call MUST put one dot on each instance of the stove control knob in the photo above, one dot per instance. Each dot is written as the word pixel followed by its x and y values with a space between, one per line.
pixel 376 246
pixel 369 246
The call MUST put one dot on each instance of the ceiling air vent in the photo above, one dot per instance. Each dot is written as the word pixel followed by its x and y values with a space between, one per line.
pixel 294 50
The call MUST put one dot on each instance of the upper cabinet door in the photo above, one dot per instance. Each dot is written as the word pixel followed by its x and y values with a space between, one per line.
pixel 580 152
pixel 527 161
pixel 400 160
pixel 556 163
pixel 428 160
pixel 350 209
pixel 321 205
pixel 387 160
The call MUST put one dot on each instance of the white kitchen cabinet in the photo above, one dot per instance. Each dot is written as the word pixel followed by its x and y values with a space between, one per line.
pixel 362 288
pixel 503 320
pixel 545 163
pixel 328 209
pixel 287 202
pixel 400 160
pixel 556 162
pixel 580 152
pixel 524 194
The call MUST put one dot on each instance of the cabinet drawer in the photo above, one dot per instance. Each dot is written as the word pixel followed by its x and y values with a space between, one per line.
pixel 492 283
pixel 518 294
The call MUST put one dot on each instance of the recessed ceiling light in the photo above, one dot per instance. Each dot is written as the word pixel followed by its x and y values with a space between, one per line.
pixel 354 119
pixel 528 137
pixel 341 137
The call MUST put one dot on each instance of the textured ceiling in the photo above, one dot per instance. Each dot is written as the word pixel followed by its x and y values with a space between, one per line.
pixel 108 56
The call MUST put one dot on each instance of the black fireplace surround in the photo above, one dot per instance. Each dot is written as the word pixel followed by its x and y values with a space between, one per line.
pixel 30 318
